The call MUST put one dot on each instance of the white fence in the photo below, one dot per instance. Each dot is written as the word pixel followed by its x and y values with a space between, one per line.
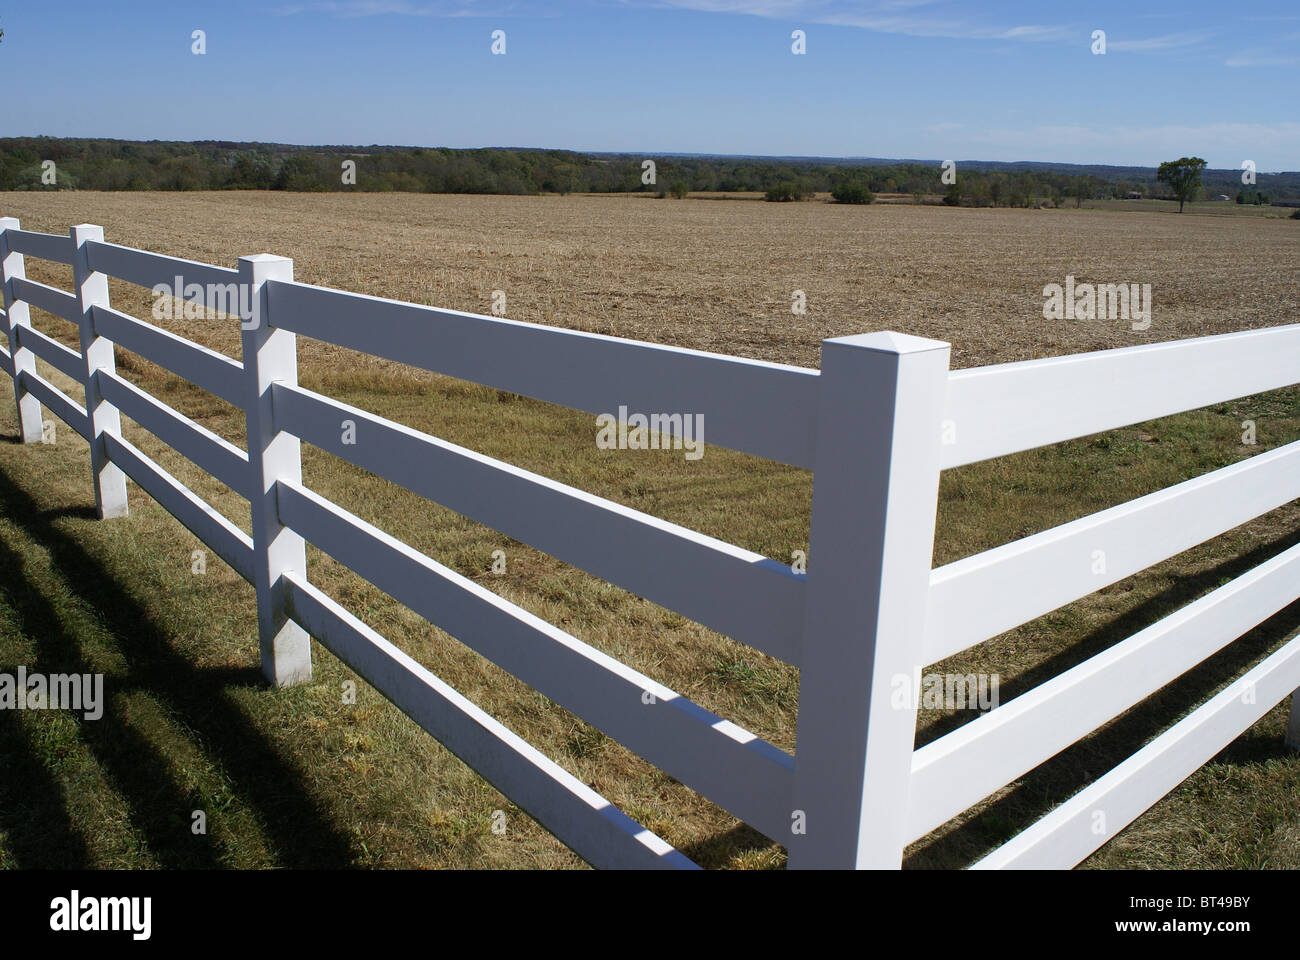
pixel 877 424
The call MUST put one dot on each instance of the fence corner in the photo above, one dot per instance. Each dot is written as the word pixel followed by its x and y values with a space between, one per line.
pixel 875 493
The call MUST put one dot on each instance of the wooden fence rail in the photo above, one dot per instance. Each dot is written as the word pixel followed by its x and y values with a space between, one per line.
pixel 877 424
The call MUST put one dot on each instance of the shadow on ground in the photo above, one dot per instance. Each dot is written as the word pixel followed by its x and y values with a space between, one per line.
pixel 42 832
pixel 34 803
pixel 1064 775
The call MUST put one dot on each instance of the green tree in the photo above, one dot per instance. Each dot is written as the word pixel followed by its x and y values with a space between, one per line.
pixel 298 172
pixel 33 178
pixel 679 189
pixel 784 192
pixel 1083 188
pixel 1183 176
pixel 247 174
pixel 853 193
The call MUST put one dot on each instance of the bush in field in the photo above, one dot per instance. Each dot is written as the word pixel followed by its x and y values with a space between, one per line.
pixel 679 189
pixel 853 193
pixel 784 192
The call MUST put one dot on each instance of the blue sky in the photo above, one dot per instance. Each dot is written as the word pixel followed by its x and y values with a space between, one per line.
pixel 932 79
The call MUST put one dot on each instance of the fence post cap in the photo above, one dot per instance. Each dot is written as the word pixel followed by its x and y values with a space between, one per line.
pixel 888 341
pixel 259 267
pixel 266 258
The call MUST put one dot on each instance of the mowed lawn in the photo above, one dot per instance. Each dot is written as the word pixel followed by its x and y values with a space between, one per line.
pixel 302 777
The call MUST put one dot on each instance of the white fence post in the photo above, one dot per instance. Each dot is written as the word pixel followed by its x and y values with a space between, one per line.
pixel 91 289
pixel 1293 723
pixel 270 355
pixel 875 492
pixel 11 266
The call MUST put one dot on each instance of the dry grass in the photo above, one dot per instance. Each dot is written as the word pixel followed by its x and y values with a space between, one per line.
pixel 711 275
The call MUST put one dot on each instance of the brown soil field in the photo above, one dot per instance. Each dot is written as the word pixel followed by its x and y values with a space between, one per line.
pixel 721 275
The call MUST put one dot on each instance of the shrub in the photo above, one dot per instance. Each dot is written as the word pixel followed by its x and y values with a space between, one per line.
pixel 784 192
pixel 679 189
pixel 853 193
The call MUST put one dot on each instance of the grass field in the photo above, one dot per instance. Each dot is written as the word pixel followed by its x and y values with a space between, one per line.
pixel 297 777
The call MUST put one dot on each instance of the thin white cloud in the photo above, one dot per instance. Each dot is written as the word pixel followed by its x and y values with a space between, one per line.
pixel 346 9
pixel 945 29
pixel 885 16
pixel 776 9
pixel 941 19
pixel 1169 41
pixel 1260 58
pixel 904 4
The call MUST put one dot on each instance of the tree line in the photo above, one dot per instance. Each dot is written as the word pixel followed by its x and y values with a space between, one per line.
pixel 48 163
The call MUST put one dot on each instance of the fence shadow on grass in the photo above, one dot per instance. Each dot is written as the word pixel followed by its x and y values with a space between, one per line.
pixel 717 850
pixel 1060 777
pixel 34 815
pixel 1183 591
pixel 34 809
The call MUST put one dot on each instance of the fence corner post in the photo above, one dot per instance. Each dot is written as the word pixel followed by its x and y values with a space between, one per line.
pixel 16 315
pixel 270 355
pixel 91 288
pixel 875 493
